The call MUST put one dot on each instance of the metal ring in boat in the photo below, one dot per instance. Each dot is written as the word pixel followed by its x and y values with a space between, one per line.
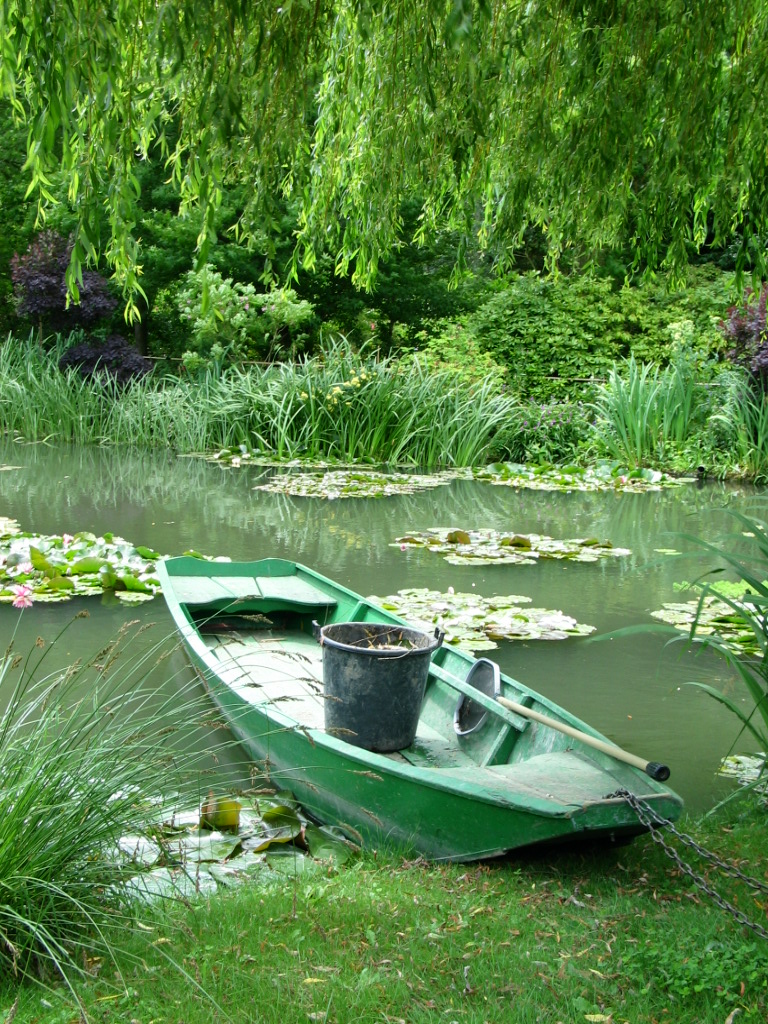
pixel 469 715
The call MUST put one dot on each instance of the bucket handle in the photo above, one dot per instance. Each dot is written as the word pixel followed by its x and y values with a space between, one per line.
pixel 317 633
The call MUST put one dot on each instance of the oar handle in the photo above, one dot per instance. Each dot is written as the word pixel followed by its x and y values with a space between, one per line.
pixel 658 772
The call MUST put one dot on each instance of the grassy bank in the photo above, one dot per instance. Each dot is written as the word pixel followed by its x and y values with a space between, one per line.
pixel 589 935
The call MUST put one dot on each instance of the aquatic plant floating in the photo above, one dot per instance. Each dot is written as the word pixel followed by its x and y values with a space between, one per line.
pixel 353 483
pixel 271 839
pixel 715 616
pixel 8 527
pixel 475 623
pixel 240 456
pixel 483 547
pixel 36 567
pixel 746 768
pixel 604 476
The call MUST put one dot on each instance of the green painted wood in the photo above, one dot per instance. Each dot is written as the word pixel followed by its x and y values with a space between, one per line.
pixel 295 590
pixel 446 797
pixel 210 589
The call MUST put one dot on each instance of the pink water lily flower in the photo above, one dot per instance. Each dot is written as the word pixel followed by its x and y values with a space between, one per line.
pixel 67 539
pixel 23 594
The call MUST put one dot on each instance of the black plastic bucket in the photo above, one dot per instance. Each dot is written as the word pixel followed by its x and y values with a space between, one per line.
pixel 374 677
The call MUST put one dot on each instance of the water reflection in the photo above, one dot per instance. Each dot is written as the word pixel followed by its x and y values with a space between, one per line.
pixel 631 689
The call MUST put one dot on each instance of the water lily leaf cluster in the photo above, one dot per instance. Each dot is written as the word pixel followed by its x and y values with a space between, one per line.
pixel 272 838
pixel 601 477
pixel 483 547
pixel 56 568
pixel 353 483
pixel 475 623
pixel 715 616
pixel 238 456
pixel 747 768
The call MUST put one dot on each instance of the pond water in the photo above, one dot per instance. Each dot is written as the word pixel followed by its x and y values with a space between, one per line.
pixel 631 689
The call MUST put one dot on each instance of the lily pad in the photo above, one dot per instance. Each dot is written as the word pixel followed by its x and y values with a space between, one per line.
pixel 185 858
pixel 475 623
pixel 57 567
pixel 353 483
pixel 604 476
pixel 481 547
pixel 8 527
pixel 715 616
pixel 240 455
pixel 747 768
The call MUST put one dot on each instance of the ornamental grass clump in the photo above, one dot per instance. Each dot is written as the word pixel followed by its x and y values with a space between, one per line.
pixel 88 754
pixel 350 406
pixel 339 404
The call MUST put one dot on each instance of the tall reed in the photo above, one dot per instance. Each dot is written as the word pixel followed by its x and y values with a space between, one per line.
pixel 339 404
pixel 745 556
pixel 642 413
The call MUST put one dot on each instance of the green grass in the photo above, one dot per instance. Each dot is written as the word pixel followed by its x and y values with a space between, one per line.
pixel 348 406
pixel 586 935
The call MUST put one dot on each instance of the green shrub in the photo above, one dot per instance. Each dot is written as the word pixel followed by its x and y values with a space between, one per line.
pixel 452 347
pixel 247 324
pixel 552 335
pixel 169 335
pixel 548 432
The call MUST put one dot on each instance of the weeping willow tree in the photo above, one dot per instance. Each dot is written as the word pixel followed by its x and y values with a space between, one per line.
pixel 640 123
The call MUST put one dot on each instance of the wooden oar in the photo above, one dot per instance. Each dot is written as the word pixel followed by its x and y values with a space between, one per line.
pixel 657 771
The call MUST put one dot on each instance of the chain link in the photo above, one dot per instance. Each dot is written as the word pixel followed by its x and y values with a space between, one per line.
pixel 649 817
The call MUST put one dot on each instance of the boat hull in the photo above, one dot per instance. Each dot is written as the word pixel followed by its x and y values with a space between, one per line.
pixel 445 798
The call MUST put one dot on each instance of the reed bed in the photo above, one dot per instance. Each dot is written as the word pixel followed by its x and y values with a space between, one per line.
pixel 351 406
pixel 339 404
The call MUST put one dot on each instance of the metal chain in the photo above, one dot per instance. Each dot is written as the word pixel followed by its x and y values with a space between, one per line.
pixel 649 817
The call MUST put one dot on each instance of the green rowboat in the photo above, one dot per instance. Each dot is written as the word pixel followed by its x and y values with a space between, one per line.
pixel 489 768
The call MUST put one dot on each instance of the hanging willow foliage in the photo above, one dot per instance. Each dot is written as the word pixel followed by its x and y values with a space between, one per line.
pixel 599 122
